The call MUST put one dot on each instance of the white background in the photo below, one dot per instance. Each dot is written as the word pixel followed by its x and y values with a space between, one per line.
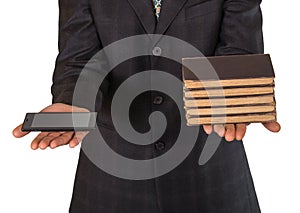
pixel 42 181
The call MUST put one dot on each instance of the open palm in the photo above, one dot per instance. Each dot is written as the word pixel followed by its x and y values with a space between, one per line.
pixel 55 139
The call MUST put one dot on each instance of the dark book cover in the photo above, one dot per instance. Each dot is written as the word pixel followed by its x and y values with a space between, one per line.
pixel 227 67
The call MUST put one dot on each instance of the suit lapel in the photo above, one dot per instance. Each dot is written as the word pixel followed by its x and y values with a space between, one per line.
pixel 145 12
pixel 169 10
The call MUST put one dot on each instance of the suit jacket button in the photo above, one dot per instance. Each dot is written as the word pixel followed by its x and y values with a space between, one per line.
pixel 156 51
pixel 158 100
pixel 160 145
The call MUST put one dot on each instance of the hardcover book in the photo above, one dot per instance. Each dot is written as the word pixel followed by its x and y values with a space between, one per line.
pixel 229 89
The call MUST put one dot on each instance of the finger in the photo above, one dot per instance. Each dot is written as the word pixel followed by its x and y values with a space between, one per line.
pixel 18 133
pixel 37 139
pixel 240 131
pixel 219 129
pixel 78 137
pixel 272 126
pixel 45 142
pixel 230 132
pixel 63 139
pixel 208 129
pixel 55 134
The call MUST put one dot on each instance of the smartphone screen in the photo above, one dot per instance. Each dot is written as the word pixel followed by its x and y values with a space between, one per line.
pixel 59 121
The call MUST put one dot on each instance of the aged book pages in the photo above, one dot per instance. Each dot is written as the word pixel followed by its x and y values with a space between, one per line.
pixel 232 119
pixel 231 89
pixel 230 110
pixel 195 84
pixel 245 91
pixel 212 102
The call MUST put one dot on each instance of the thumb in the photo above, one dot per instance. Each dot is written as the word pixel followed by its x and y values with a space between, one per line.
pixel 18 133
pixel 272 126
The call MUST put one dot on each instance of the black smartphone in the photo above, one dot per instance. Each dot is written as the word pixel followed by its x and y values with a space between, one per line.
pixel 59 121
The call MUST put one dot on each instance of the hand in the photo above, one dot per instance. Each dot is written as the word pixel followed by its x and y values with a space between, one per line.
pixel 55 139
pixel 237 131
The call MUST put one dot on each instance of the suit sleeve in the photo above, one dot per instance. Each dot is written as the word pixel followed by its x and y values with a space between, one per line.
pixel 241 28
pixel 78 43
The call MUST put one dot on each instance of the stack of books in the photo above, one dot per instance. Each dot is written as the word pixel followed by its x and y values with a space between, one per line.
pixel 228 89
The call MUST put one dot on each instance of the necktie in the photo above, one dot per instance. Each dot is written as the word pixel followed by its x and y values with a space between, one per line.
pixel 157 7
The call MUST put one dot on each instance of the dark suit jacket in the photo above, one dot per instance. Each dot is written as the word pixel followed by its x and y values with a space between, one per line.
pixel 215 27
